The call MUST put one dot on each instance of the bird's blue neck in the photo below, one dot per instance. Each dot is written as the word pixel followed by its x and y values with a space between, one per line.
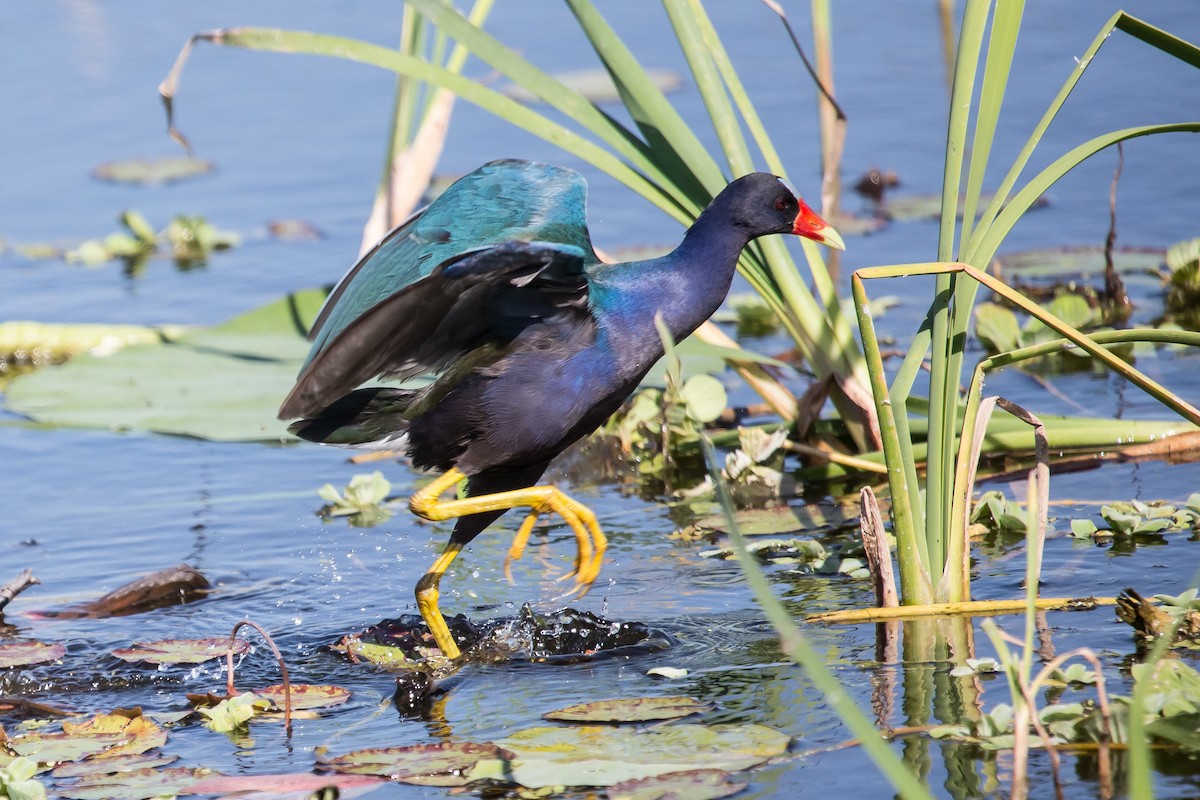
pixel 686 287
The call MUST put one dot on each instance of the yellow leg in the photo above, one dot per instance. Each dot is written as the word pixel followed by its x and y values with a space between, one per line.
pixel 427 601
pixel 589 539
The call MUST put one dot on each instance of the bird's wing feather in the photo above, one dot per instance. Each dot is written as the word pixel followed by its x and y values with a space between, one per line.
pixel 395 312
pixel 487 296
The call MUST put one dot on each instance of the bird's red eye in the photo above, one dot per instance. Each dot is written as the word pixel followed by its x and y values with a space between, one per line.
pixel 781 204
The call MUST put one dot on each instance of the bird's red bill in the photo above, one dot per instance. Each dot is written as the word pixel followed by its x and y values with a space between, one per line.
pixel 811 226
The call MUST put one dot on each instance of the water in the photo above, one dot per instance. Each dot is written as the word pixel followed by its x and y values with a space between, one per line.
pixel 302 137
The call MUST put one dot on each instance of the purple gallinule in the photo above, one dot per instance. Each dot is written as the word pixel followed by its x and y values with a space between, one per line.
pixel 495 288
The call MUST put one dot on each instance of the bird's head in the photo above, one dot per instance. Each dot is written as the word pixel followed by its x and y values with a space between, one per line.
pixel 767 204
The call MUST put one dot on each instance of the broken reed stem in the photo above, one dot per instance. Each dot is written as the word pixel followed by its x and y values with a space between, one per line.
pixel 287 684
pixel 970 607
pixel 17 585
pixel 879 556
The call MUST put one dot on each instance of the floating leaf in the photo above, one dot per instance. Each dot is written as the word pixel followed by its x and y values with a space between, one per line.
pixel 223 383
pixel 180 651
pixel 276 785
pixel 150 171
pixel 905 208
pixel 693 784
pixel 234 712
pixel 637 709
pixel 20 654
pixel 596 84
pixel 778 520
pixel 704 397
pixel 141 731
pixel 305 695
pixel 109 764
pixel 134 785
pixel 1055 262
pixel 997 328
pixel 381 655
pixel 670 673
pixel 441 764
pixel 602 756
pixel 55 748
pixel 17 781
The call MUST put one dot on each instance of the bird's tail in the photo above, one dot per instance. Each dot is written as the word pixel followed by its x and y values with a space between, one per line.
pixel 369 418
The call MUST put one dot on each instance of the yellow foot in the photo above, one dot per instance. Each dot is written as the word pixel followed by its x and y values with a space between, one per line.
pixel 590 541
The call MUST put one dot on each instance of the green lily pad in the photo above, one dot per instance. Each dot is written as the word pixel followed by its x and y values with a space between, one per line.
pixel 234 712
pixel 141 732
pixel 381 655
pixel 1055 262
pixel 305 695
pixel 704 396
pixel 20 654
pixel 55 748
pixel 596 84
pixel 109 764
pixel 603 756
pixel 275 785
pixel 779 520
pixel 223 383
pixel 441 764
pixel 151 171
pixel 693 784
pixel 180 651
pixel 134 785
pixel 637 709
pixel 906 208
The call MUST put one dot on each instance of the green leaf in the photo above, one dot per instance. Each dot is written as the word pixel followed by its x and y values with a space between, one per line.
pixel 21 654
pixel 441 764
pixel 305 695
pixel 140 784
pixel 637 709
pixel 148 171
pixel 704 397
pixel 180 651
pixel 17 781
pixel 224 383
pixel 602 756
pixel 234 713
pixel 997 328
pixel 693 784
pixel 595 85
pixel 1083 528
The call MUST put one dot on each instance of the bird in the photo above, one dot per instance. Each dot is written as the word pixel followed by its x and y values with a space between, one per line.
pixel 495 289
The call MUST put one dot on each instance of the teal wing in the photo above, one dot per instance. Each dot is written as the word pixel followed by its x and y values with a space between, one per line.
pixel 504 246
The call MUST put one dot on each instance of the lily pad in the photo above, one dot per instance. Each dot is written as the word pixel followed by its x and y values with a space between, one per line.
pixel 637 709
pixel 603 756
pixel 20 654
pixel 55 748
pixel 274 786
pixel 306 695
pixel 1055 262
pixel 693 784
pixel 441 764
pixel 223 383
pixel 153 171
pixel 109 764
pixel 180 651
pixel 780 520
pixel 141 732
pixel 134 785
pixel 929 207
pixel 596 84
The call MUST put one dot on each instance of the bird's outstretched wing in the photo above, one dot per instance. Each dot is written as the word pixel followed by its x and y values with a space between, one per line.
pixel 503 247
